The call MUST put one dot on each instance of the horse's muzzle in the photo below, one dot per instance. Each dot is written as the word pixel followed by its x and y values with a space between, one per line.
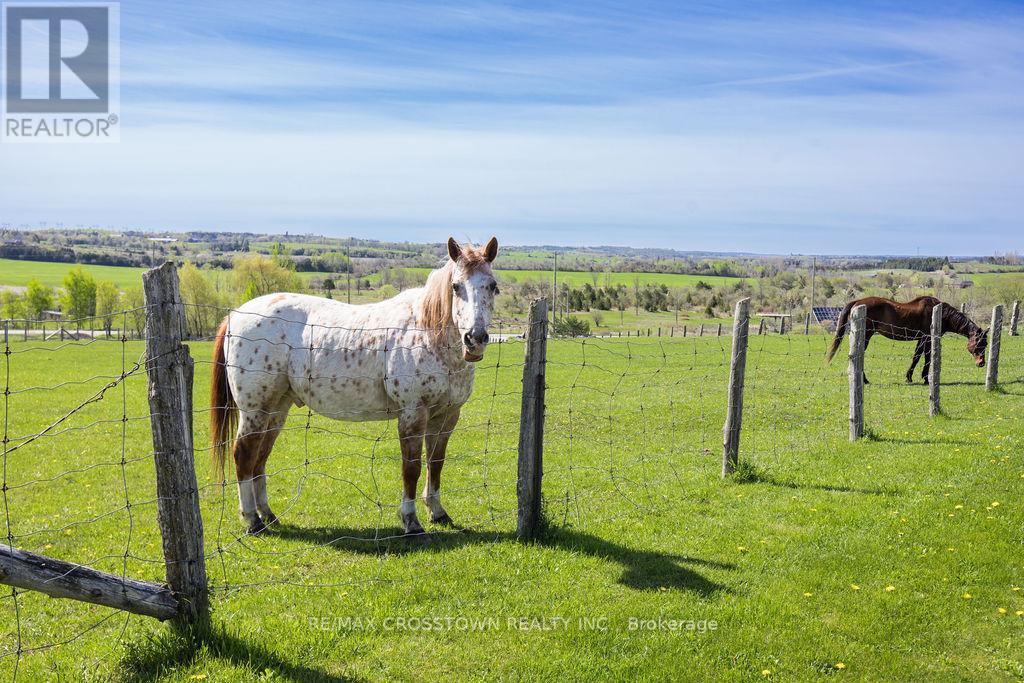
pixel 473 345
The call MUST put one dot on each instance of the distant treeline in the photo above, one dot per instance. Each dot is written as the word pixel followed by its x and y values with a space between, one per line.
pixel 55 254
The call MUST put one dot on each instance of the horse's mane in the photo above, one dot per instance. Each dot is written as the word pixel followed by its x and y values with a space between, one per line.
pixel 436 312
pixel 958 322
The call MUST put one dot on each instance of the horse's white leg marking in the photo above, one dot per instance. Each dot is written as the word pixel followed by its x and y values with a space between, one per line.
pixel 274 425
pixel 247 444
pixel 439 430
pixel 247 502
pixel 411 424
pixel 432 498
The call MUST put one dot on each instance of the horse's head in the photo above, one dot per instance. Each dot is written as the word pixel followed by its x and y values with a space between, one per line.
pixel 976 345
pixel 473 292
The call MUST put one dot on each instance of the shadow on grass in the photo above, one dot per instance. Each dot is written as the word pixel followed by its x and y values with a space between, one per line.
pixel 748 473
pixel 166 653
pixel 924 442
pixel 642 569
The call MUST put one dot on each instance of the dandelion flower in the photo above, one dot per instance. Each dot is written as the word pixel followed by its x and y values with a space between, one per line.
pixel 967 596
pixel 840 665
pixel 807 595
pixel 890 589
pixel 854 586
pixel 766 672
pixel 1002 610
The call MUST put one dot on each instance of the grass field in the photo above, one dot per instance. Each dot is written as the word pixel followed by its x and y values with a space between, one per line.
pixel 896 558
pixel 988 279
pixel 18 273
pixel 578 279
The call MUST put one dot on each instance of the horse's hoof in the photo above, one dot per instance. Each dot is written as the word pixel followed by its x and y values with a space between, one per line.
pixel 256 528
pixel 269 520
pixel 443 520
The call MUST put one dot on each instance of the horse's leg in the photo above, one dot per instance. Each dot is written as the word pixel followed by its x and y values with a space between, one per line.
pixel 926 344
pixel 273 428
pixel 439 430
pixel 913 364
pixel 867 340
pixel 411 425
pixel 246 453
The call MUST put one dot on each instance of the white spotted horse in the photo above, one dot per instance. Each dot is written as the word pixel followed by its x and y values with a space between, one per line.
pixel 410 357
pixel 912 321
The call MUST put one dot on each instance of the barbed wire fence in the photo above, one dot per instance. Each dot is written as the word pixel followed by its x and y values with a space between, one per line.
pixel 561 431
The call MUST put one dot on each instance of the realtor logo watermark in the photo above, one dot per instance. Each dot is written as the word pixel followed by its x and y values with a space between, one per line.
pixel 61 72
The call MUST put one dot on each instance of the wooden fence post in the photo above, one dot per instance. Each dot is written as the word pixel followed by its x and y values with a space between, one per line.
pixel 170 371
pixel 1014 318
pixel 807 325
pixel 719 330
pixel 935 369
pixel 858 326
pixel 60 579
pixel 701 330
pixel 995 334
pixel 760 327
pixel 737 372
pixel 531 423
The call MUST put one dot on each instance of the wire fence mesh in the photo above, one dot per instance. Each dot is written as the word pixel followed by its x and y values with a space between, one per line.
pixel 632 426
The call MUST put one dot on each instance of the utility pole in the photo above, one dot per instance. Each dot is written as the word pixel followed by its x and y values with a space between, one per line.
pixel 554 290
pixel 348 271
pixel 814 263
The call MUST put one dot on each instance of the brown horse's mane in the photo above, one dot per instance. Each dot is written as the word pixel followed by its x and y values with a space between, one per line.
pixel 436 312
pixel 958 322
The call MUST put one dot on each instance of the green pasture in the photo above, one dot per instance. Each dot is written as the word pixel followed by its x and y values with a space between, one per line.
pixel 895 558
pixel 18 273
pixel 579 278
pixel 989 279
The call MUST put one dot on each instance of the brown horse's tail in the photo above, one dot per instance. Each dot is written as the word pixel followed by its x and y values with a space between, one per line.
pixel 223 410
pixel 840 331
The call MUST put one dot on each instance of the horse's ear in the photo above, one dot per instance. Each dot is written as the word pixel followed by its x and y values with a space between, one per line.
pixel 491 250
pixel 454 250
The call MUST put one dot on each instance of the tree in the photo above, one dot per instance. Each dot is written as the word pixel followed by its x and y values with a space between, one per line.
pixel 203 305
pixel 108 302
pixel 571 326
pixel 135 302
pixel 256 275
pixel 12 305
pixel 38 298
pixel 79 296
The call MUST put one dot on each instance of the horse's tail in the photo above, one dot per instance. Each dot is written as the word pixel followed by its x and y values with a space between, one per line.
pixel 840 331
pixel 223 410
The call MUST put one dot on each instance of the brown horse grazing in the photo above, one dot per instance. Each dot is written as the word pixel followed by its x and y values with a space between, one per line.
pixel 912 321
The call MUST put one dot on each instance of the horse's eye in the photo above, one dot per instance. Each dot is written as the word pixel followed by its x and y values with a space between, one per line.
pixel 494 288
pixel 456 287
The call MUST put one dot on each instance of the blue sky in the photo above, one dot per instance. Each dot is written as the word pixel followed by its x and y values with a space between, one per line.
pixel 776 127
